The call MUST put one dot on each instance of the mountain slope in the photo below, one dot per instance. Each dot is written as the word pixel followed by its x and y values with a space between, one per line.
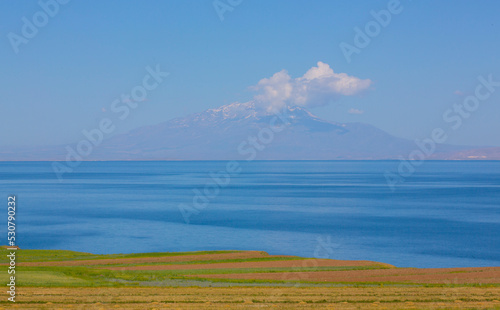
pixel 241 131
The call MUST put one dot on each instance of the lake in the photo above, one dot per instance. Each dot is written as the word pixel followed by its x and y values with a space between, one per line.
pixel 446 215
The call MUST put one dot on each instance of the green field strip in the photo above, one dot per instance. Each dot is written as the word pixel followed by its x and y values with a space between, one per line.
pixel 64 255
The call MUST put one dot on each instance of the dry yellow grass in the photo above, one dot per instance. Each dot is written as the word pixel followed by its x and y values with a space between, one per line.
pixel 259 298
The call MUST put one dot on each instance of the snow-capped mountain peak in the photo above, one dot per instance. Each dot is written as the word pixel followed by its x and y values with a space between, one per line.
pixel 233 110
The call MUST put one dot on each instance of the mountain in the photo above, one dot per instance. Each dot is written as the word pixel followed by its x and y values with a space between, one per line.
pixel 241 131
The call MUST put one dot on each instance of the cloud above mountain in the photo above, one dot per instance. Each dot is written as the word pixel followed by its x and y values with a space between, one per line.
pixel 319 86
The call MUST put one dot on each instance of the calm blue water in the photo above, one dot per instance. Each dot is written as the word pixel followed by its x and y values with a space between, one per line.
pixel 446 215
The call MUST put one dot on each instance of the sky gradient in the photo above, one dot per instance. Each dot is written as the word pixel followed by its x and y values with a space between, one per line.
pixel 64 79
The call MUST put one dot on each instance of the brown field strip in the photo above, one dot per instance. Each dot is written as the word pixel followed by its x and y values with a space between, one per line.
pixel 479 275
pixel 264 264
pixel 159 259
pixel 258 298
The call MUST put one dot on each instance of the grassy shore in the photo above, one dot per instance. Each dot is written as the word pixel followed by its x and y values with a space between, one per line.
pixel 50 279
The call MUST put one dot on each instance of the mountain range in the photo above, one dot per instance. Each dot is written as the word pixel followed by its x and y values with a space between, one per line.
pixel 241 131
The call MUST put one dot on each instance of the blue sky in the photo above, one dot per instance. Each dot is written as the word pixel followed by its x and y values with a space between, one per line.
pixel 90 52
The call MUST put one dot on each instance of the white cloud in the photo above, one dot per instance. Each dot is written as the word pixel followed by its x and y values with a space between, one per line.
pixel 355 111
pixel 274 91
pixel 318 86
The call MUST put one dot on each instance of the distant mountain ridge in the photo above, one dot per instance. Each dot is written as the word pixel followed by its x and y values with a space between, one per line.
pixel 242 131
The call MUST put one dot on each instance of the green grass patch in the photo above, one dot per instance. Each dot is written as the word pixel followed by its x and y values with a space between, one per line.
pixel 44 278
pixel 64 255
pixel 45 255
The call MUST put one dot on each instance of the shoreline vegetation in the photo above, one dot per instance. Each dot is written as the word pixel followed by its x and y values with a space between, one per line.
pixel 59 279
